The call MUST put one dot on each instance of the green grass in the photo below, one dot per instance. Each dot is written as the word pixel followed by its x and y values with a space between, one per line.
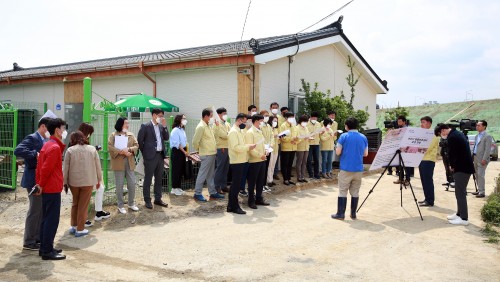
pixel 490 232
pixel 488 110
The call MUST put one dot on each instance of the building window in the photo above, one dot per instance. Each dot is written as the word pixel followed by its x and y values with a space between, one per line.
pixel 297 102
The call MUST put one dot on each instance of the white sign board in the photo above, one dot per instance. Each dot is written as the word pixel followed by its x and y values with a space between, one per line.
pixel 413 143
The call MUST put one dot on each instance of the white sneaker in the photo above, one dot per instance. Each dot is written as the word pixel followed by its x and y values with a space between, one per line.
pixel 72 230
pixel 122 210
pixel 452 216
pixel 459 221
pixel 81 233
pixel 133 207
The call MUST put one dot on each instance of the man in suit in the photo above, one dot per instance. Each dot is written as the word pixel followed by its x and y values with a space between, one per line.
pixel 29 149
pixel 151 139
pixel 481 153
pixel 462 166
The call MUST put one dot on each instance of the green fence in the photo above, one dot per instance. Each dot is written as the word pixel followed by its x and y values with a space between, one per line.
pixel 17 120
pixel 8 142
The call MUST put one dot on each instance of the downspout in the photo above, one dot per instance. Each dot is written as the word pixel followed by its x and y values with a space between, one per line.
pixel 141 66
pixel 290 61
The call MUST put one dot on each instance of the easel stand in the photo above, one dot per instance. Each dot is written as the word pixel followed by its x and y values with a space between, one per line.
pixel 401 182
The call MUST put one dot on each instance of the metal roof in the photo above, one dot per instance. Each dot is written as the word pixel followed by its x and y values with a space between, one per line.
pixel 253 46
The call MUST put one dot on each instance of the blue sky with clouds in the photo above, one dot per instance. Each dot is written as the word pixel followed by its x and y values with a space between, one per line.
pixel 426 50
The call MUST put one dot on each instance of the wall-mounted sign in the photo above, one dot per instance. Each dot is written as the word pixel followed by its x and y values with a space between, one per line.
pixel 58 107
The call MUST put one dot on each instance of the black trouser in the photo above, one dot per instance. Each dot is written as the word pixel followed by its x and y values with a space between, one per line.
pixel 461 181
pixel 256 180
pixel 51 205
pixel 178 167
pixel 237 173
pixel 153 167
pixel 268 159
pixel 313 161
pixel 286 164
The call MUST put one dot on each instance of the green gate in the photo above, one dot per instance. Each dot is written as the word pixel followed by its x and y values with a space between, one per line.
pixel 8 143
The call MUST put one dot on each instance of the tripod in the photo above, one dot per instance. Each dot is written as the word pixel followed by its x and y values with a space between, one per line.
pixel 401 182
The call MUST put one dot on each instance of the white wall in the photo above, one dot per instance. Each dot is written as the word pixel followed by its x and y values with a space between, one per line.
pixel 110 87
pixel 194 90
pixel 50 93
pixel 273 83
pixel 325 65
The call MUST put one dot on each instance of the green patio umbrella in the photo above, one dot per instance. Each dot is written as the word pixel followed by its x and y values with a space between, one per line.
pixel 140 102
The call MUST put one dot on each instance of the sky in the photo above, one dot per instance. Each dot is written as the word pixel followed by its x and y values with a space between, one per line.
pixel 427 50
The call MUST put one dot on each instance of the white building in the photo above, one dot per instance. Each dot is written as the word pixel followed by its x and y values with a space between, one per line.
pixel 233 75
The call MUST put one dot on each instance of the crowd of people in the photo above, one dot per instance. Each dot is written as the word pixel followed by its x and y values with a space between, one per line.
pixel 249 151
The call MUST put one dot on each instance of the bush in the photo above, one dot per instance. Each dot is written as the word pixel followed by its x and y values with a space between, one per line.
pixel 491 210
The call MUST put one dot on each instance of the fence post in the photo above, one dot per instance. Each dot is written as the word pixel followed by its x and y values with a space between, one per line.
pixel 169 182
pixel 105 151
pixel 87 99
pixel 14 144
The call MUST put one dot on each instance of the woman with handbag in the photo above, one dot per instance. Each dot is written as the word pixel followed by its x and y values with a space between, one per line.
pixel 122 147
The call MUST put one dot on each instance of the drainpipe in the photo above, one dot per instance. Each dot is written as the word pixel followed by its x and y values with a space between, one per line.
pixel 141 66
pixel 290 61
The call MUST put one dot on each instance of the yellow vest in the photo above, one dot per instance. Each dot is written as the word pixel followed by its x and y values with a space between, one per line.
pixel 281 120
pixel 303 144
pixel 204 140
pixel 286 142
pixel 220 132
pixel 312 129
pixel 267 131
pixel 254 136
pixel 327 140
pixel 431 153
pixel 238 150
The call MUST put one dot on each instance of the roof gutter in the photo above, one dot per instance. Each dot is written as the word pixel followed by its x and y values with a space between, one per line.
pixel 141 67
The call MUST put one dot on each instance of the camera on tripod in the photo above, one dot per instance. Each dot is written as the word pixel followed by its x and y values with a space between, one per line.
pixel 394 123
pixel 464 124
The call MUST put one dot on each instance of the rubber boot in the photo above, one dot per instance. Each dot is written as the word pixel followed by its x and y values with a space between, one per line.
pixel 341 205
pixel 354 206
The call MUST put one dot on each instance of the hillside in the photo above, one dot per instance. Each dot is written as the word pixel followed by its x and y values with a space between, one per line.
pixel 488 110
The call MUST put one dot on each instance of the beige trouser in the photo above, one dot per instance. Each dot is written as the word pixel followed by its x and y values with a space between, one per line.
pixel 480 174
pixel 349 181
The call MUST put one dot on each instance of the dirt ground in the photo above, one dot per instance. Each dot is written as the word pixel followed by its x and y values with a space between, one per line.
pixel 293 239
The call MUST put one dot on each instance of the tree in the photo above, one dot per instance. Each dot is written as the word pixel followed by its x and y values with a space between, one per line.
pixel 323 103
pixel 392 114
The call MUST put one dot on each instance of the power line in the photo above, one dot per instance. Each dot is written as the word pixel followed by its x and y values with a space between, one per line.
pixel 334 12
pixel 242 32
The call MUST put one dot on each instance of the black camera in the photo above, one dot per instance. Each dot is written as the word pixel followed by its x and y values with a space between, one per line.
pixel 394 123
pixel 98 147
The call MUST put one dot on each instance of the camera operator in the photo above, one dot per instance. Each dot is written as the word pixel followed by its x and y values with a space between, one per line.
pixel 409 171
pixel 462 167
pixel 481 155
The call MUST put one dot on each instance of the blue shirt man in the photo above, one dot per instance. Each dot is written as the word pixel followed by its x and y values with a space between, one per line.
pixel 352 147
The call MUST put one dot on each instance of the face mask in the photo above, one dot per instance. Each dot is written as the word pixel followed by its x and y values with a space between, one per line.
pixel 266 119
pixel 291 120
pixel 274 111
pixel 64 134
pixel 328 126
pixel 333 119
pixel 275 123
pixel 158 120
pixel 444 137
pixel 184 122
pixel 242 126
pixel 313 121
pixel 224 117
pixel 211 120
pixel 261 124
pixel 304 124
pixel 47 134
pixel 125 130
pixel 253 113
